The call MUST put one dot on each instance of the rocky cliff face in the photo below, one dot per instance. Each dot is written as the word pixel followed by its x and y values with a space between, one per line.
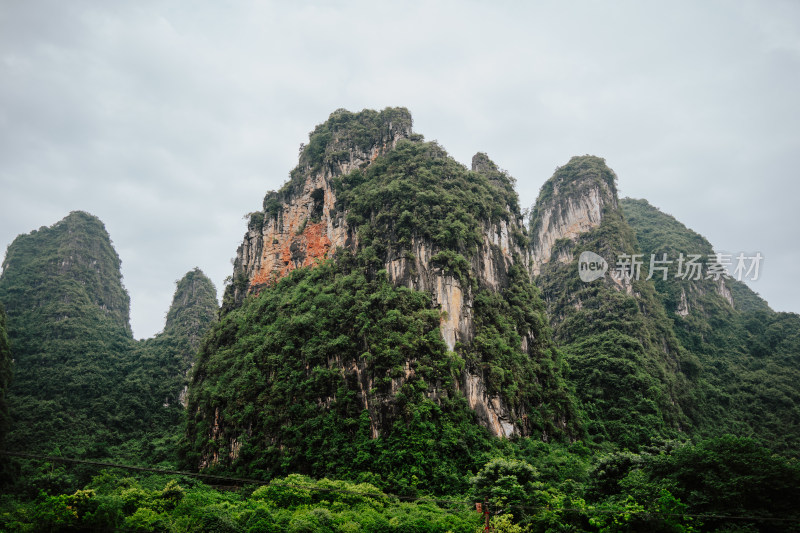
pixel 489 267
pixel 570 204
pixel 612 317
pixel 300 224
pixel 307 221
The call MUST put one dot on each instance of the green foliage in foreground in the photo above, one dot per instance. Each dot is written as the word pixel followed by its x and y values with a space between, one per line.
pixel 724 484
pixel 295 503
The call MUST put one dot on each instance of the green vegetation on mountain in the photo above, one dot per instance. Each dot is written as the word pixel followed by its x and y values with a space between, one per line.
pixel 82 386
pixel 748 355
pixel 332 143
pixel 628 367
pixel 304 374
pixel 418 192
pixel 367 129
pixel 160 377
pixel 337 371
pixel 68 324
pixel 5 374
pixel 637 405
pixel 171 354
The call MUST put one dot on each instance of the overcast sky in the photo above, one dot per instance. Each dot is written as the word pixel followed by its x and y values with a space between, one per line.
pixel 170 120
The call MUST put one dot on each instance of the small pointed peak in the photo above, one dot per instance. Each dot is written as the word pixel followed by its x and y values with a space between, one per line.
pixel 586 167
pixel 82 219
pixel 347 135
pixel 573 201
pixel 482 164
pixel 80 215
pixel 195 299
pixel 576 178
pixel 496 176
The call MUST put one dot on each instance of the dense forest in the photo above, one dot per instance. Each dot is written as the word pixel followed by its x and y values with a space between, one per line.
pixel 747 357
pixel 330 398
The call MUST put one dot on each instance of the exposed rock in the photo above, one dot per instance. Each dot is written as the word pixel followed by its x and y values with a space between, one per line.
pixel 724 291
pixel 490 409
pixel 683 306
pixel 569 205
pixel 302 224
pixel 577 222
pixel 489 267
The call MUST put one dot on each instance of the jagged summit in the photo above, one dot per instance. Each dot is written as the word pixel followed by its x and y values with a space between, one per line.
pixel 194 303
pixel 299 224
pixel 570 203
pixel 348 139
pixel 481 163
pixel 403 240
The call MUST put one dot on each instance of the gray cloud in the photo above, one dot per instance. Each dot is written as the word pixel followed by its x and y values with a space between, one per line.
pixel 171 121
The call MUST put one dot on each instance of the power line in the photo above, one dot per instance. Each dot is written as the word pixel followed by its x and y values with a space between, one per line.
pixel 239 480
pixel 381 495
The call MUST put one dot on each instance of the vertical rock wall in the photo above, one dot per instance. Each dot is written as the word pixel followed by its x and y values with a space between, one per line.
pixel 302 224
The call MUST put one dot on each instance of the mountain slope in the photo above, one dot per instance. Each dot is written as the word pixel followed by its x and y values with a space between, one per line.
pixel 83 387
pixel 68 323
pixel 670 347
pixel 390 315
pixel 748 354
pixel 629 370
pixel 5 374
pixel 171 353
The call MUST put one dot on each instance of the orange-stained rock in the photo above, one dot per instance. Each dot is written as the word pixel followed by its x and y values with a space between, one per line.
pixel 292 252
pixel 279 241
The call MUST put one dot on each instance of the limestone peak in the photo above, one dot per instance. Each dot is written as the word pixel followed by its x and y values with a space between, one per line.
pixel 573 201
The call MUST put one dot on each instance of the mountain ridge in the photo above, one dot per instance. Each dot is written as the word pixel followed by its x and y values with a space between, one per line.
pixel 410 331
pixel 411 223
pixel 82 385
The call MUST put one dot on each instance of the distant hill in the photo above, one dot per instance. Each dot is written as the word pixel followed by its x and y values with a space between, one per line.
pixel 82 387
pixel 748 355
